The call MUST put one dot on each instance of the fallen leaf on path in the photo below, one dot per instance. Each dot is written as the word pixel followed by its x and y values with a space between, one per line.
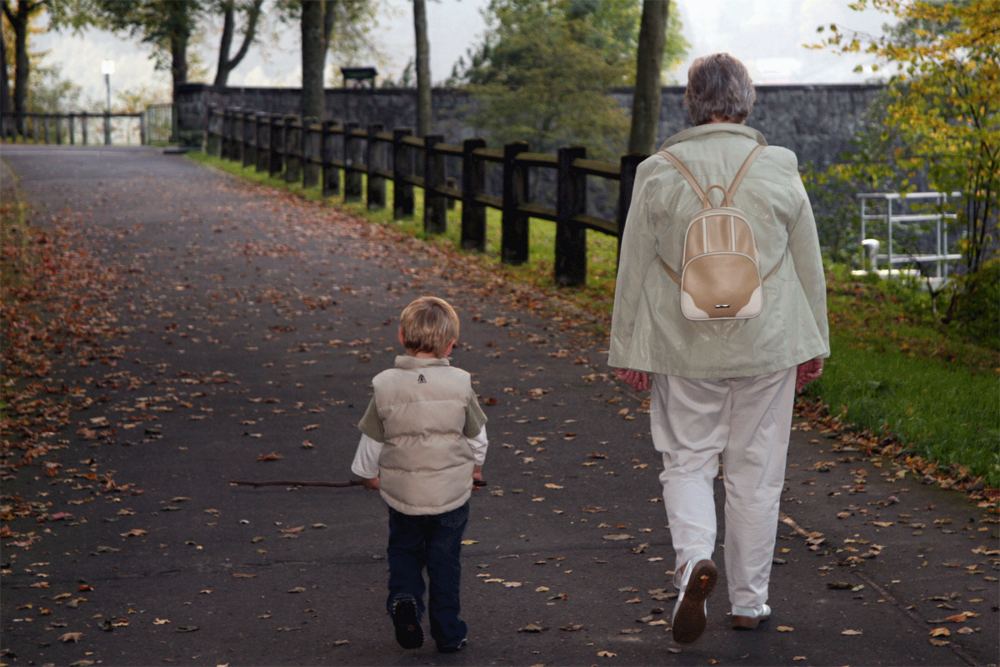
pixel 70 637
pixel 571 627
pixel 940 632
pixel 785 628
pixel 532 628
pixel 161 621
pixel 606 654
pixel 297 589
pixel 270 456
pixel 617 537
pixel 851 633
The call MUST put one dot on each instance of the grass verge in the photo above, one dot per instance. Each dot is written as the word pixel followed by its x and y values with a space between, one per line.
pixel 893 370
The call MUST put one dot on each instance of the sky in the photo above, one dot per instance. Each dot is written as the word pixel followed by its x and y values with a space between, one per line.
pixel 767 35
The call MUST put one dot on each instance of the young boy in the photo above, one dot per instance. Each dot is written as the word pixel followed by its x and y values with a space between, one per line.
pixel 423 444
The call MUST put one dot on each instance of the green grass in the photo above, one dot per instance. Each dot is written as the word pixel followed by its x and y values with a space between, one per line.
pixel 894 369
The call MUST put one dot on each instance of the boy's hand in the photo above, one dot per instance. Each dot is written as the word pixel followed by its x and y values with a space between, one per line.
pixel 477 477
pixel 638 380
pixel 371 484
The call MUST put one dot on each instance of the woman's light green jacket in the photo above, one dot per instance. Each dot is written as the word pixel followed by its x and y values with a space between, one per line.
pixel 648 331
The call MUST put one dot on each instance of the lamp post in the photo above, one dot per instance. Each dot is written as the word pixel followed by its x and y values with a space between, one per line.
pixel 107 69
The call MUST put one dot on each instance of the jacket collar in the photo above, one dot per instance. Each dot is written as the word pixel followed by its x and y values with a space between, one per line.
pixel 409 361
pixel 714 128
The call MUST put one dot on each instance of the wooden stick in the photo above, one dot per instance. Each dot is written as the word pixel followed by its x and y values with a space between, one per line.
pixel 344 484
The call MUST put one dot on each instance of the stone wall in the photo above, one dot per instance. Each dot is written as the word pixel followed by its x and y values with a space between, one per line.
pixel 816 121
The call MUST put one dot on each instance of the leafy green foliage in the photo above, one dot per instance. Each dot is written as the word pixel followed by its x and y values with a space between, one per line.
pixel 543 73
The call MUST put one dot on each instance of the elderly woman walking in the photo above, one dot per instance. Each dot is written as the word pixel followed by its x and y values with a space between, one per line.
pixel 723 376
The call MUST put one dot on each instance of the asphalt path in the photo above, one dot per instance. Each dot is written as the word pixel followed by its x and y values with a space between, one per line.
pixel 251 324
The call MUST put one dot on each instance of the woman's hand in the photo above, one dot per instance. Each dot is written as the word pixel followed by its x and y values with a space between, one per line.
pixel 638 380
pixel 808 371
pixel 371 484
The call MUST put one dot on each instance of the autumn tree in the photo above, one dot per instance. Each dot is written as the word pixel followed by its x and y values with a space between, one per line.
pixel 940 116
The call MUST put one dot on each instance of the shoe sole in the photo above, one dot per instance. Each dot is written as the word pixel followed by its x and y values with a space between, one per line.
pixel 689 622
pixel 409 634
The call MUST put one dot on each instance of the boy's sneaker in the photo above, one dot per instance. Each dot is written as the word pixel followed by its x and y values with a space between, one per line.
pixel 409 634
pixel 453 648
pixel 691 608
pixel 748 618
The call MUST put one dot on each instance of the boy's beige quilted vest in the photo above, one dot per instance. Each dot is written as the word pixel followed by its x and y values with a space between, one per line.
pixel 426 462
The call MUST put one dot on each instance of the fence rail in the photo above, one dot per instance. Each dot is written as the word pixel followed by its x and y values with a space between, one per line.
pixel 314 153
pixel 60 128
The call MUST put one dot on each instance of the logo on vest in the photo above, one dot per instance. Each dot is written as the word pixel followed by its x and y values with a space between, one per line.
pixel 421 379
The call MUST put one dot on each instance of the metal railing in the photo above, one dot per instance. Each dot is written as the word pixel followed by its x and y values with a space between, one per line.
pixel 915 229
pixel 72 128
pixel 315 153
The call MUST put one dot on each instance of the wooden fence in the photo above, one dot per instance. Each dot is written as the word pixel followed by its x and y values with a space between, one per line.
pixel 286 147
pixel 59 128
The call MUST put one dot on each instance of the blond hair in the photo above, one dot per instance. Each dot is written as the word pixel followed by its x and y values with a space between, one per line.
pixel 428 324
pixel 719 87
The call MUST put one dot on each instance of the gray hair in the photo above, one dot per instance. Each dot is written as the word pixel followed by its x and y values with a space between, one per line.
pixel 719 88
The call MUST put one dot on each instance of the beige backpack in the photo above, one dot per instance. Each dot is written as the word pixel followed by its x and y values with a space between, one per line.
pixel 720 272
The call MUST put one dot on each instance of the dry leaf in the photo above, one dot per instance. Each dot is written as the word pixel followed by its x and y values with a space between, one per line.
pixel 160 621
pixel 606 654
pixel 940 632
pixel 70 637
pixel 851 633
pixel 532 628
pixel 785 628
pixel 270 456
pixel 571 627
pixel 297 589
pixel 617 537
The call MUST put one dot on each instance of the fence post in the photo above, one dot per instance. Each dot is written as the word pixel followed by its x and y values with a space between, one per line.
pixel 402 191
pixel 276 145
pixel 293 145
pixel 352 177
pixel 34 127
pixel 473 184
pixel 107 128
pixel 224 149
pixel 83 128
pixel 330 174
pixel 629 163
pixel 310 168
pixel 59 132
pixel 373 163
pixel 263 129
pixel 249 138
pixel 207 141
pixel 45 128
pixel 514 224
pixel 435 205
pixel 238 126
pixel 571 238
pixel 72 129
pixel 142 129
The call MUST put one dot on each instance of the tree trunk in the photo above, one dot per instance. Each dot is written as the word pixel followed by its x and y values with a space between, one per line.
pixel 227 64
pixel 313 58
pixel 423 68
pixel 6 103
pixel 222 69
pixel 179 34
pixel 21 67
pixel 649 60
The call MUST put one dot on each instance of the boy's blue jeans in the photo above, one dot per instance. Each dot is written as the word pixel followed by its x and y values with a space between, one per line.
pixel 433 542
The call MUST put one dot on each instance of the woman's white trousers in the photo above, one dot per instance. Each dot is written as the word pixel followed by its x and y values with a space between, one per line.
pixel 747 422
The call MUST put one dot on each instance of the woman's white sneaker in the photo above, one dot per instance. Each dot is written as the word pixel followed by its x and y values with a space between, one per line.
pixel 748 618
pixel 691 608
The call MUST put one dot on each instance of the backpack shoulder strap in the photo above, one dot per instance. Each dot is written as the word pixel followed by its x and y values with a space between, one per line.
pixel 688 176
pixel 744 168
